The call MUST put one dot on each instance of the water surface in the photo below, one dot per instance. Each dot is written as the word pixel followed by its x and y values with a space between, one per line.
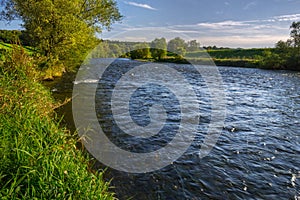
pixel 256 157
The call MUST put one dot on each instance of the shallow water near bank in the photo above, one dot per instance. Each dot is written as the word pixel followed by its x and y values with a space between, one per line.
pixel 257 155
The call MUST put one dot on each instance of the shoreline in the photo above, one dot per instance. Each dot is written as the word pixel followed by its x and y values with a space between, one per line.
pixel 246 63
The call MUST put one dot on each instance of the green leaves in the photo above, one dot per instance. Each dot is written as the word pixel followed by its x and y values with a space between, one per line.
pixel 295 33
pixel 63 29
pixel 177 46
pixel 286 54
pixel 140 51
pixel 159 48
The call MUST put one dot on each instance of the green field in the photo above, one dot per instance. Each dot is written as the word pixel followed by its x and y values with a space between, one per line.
pixel 224 57
pixel 9 47
pixel 230 53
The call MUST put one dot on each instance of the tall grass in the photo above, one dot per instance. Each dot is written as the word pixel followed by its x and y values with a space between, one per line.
pixel 39 160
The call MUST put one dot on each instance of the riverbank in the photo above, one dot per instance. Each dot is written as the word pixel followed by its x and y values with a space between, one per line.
pixel 248 63
pixel 39 156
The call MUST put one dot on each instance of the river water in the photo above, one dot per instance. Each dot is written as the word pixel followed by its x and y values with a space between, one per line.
pixel 257 155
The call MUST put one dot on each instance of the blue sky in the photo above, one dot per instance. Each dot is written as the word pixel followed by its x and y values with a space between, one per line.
pixel 230 23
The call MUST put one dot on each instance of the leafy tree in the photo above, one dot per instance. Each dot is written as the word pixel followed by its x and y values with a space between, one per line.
pixel 63 29
pixel 294 60
pixel 141 51
pixel 115 50
pixel 271 60
pixel 177 46
pixel 180 53
pixel 286 54
pixel 193 45
pixel 10 36
pixel 295 33
pixel 159 48
pixel 101 51
pixel 282 45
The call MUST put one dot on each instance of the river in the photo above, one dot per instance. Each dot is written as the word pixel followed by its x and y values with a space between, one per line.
pixel 257 155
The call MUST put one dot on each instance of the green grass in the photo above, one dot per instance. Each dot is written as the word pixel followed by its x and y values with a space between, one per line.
pixel 9 47
pixel 39 159
pixel 232 57
pixel 230 53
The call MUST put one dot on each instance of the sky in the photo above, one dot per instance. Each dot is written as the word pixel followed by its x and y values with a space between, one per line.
pixel 226 23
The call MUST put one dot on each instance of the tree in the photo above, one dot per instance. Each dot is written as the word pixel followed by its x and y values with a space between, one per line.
pixel 293 60
pixel 9 36
pixel 271 60
pixel 159 48
pixel 63 29
pixel 141 51
pixel 177 46
pixel 286 55
pixel 101 51
pixel 295 33
pixel 193 45
pixel 115 50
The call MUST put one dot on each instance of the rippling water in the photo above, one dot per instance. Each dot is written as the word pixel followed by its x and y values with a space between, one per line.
pixel 256 157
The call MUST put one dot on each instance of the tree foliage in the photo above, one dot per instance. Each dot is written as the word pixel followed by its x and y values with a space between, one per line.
pixel 295 33
pixel 286 54
pixel 62 29
pixel 159 48
pixel 177 46
pixel 141 50
pixel 106 49
pixel 9 36
pixel 193 45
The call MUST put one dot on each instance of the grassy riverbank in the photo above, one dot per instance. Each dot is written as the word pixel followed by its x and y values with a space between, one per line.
pixel 232 57
pixel 232 62
pixel 249 58
pixel 39 158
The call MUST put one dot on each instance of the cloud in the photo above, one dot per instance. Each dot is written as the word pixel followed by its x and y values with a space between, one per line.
pixel 223 24
pixel 231 33
pixel 248 38
pixel 293 17
pixel 262 23
pixel 242 41
pixel 146 6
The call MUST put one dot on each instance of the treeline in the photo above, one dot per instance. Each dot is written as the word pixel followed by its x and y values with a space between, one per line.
pixel 158 49
pixel 286 54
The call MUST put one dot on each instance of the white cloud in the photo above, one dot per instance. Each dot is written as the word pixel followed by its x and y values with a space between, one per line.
pixel 294 17
pixel 242 41
pixel 223 24
pixel 230 33
pixel 146 6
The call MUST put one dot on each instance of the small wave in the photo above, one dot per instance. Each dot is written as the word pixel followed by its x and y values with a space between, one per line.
pixel 86 81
